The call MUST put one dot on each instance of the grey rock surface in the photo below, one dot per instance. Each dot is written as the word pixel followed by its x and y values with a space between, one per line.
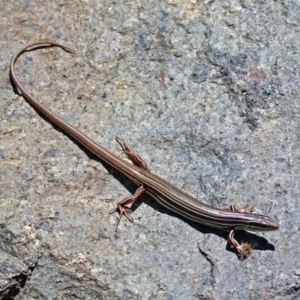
pixel 206 92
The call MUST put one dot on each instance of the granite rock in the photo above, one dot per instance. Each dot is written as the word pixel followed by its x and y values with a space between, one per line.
pixel 206 92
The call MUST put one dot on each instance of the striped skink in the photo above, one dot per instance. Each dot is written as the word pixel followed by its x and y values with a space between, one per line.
pixel 165 193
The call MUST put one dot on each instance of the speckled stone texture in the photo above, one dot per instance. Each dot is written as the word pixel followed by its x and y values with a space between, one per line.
pixel 206 92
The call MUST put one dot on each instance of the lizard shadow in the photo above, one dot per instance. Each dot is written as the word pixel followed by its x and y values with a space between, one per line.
pixel 257 242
